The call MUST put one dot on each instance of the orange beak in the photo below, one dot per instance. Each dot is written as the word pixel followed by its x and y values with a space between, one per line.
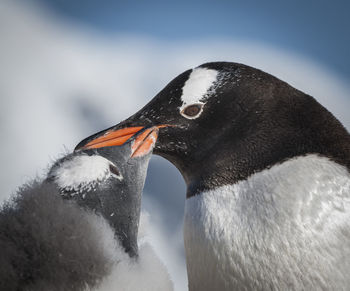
pixel 112 138
pixel 145 139
pixel 144 142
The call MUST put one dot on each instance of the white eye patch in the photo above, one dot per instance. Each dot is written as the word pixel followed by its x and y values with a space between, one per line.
pixel 196 87
pixel 82 172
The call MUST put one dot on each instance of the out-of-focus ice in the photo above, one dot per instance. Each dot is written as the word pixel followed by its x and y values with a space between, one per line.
pixel 60 82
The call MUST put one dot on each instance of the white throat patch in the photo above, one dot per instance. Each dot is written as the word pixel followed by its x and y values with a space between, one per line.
pixel 197 86
pixel 82 172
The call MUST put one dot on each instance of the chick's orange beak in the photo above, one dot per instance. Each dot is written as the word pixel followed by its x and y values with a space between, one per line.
pixel 144 142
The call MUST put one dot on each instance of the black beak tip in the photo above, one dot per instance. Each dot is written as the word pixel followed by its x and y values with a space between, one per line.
pixel 85 141
pixel 81 144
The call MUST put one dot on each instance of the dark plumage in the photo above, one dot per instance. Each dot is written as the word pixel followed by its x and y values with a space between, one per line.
pixel 69 231
pixel 258 119
pixel 49 244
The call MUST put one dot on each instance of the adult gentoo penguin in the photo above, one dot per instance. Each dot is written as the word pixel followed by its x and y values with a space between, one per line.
pixel 88 240
pixel 267 173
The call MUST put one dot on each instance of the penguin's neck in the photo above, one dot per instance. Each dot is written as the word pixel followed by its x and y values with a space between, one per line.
pixel 269 229
pixel 230 165
pixel 106 200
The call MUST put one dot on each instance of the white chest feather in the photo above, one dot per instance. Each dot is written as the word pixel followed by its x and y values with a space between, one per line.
pixel 286 228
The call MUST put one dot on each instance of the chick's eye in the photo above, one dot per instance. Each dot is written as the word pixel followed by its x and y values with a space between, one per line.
pixel 192 110
pixel 114 170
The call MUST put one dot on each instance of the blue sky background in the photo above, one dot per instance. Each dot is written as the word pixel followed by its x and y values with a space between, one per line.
pixel 316 28
pixel 70 68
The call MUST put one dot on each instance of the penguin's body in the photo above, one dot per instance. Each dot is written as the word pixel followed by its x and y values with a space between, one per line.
pixel 283 228
pixel 88 240
pixel 267 174
pixel 49 244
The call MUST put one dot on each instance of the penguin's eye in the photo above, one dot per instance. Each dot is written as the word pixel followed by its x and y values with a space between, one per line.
pixel 192 111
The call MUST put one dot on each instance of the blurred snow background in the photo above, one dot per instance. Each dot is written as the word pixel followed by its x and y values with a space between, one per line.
pixel 62 80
